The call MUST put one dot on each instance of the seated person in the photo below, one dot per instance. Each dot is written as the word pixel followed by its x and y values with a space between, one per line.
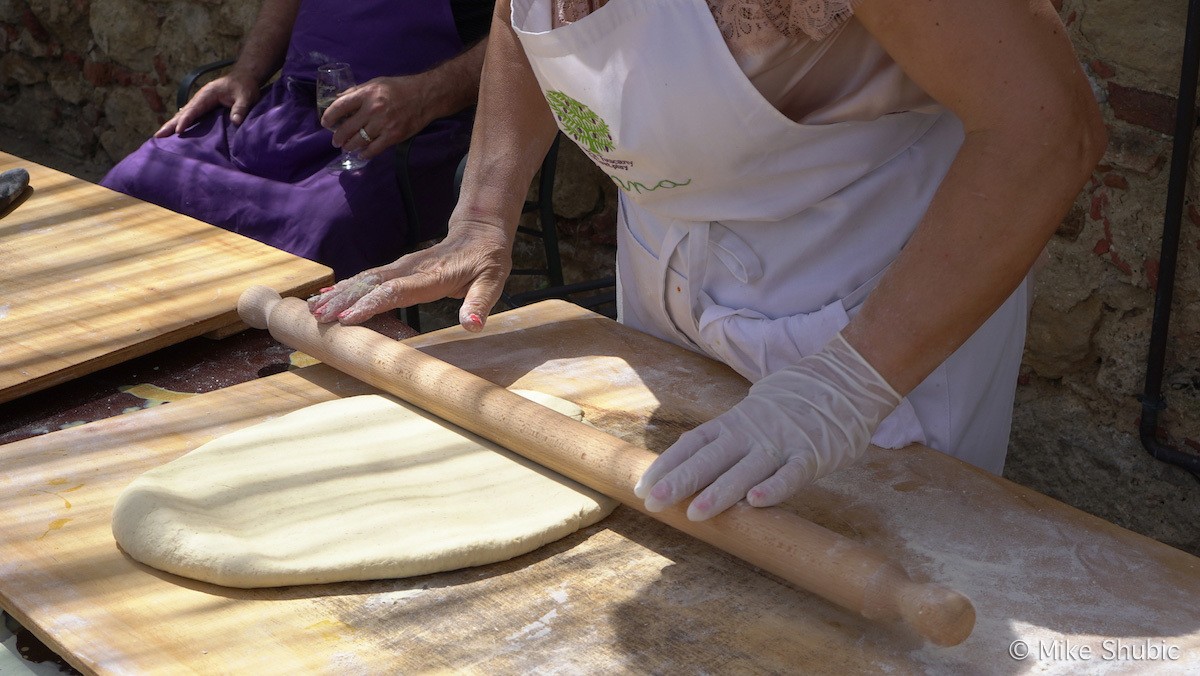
pixel 253 161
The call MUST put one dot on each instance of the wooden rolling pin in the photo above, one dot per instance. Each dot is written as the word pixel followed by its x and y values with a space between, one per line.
pixel 797 550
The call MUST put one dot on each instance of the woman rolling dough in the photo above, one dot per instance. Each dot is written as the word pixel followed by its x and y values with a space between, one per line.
pixel 840 199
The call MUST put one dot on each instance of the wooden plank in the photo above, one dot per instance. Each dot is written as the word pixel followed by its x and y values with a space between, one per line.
pixel 93 277
pixel 627 595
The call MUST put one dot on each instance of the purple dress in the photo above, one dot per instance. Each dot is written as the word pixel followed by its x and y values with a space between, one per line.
pixel 266 179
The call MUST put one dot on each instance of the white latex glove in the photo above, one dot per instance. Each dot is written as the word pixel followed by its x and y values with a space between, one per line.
pixel 796 425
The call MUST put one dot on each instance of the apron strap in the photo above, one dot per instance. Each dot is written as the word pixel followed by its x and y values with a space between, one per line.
pixel 695 242
pixel 735 254
pixel 677 234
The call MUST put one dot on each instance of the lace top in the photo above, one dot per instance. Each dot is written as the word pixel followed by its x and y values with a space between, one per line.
pixel 816 19
pixel 743 18
pixel 809 58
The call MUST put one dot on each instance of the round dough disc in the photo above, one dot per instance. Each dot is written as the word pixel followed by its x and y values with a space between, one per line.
pixel 360 488
pixel 567 408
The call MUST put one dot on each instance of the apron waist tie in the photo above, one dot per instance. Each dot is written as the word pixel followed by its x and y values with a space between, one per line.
pixel 748 341
pixel 745 339
pixel 755 346
pixel 688 247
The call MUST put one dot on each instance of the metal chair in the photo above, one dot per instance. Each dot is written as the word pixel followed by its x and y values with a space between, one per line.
pixel 1186 122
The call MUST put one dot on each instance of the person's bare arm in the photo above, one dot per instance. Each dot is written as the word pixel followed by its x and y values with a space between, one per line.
pixel 513 130
pixel 260 56
pixel 392 109
pixel 1033 135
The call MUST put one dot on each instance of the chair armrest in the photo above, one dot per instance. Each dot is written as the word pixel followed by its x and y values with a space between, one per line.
pixel 185 85
pixel 406 192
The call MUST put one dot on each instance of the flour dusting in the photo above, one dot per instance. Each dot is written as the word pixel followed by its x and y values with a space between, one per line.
pixel 377 601
pixel 348 663
pixel 539 628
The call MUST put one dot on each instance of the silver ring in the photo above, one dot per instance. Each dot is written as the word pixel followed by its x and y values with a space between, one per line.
pixel 363 133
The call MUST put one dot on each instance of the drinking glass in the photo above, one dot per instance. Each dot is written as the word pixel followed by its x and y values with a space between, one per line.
pixel 332 80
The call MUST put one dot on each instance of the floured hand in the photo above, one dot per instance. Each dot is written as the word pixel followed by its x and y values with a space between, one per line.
pixel 471 263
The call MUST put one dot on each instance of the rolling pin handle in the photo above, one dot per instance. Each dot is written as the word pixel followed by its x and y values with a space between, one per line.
pixel 935 612
pixel 255 304
pixel 938 613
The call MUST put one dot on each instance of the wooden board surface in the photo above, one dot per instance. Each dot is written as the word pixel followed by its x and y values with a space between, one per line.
pixel 92 277
pixel 626 595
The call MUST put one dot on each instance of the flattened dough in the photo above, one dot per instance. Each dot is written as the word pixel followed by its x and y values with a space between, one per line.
pixel 360 488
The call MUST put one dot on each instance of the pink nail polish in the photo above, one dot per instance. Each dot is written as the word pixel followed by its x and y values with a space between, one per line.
pixel 342 314
pixel 326 289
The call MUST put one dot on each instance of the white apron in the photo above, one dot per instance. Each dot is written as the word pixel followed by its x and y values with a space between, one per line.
pixel 749 237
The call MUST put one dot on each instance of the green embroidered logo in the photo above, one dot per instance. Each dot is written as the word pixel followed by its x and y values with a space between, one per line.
pixel 580 122
pixel 639 188
pixel 592 134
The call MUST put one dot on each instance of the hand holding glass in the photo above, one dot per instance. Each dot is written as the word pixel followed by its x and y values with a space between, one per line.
pixel 332 80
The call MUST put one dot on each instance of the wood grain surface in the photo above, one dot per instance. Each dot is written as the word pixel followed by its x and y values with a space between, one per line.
pixel 804 554
pixel 626 595
pixel 92 278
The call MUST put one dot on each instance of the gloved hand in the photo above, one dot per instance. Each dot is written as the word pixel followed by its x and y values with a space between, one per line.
pixel 796 425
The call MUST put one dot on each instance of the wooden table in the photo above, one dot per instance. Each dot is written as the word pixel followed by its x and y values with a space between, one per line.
pixel 626 595
pixel 92 277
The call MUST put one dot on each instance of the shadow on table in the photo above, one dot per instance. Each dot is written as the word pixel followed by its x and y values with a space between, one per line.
pixel 1036 570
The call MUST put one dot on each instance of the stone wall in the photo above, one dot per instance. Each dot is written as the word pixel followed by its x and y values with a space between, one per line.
pixel 1075 433
pixel 1091 322
pixel 93 78
pixel 96 77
